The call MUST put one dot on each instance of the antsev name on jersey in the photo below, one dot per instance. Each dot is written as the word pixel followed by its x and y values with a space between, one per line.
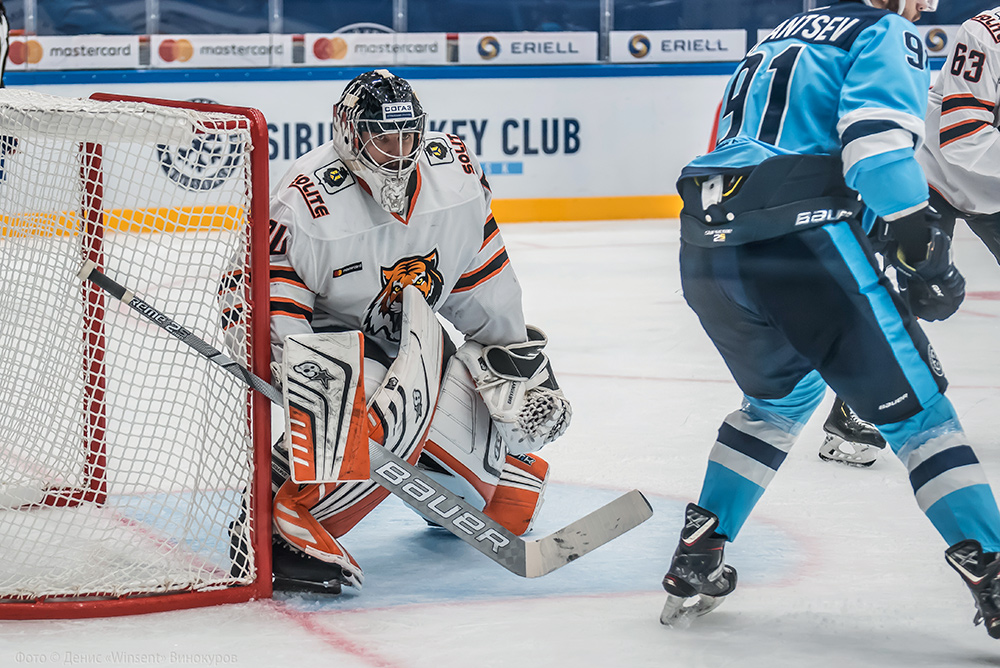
pixel 962 153
pixel 858 77
pixel 338 259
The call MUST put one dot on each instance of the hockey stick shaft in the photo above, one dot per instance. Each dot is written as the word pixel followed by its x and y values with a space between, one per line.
pixel 91 273
pixel 527 558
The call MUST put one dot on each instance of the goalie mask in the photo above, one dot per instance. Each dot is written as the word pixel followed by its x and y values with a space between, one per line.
pixel 378 131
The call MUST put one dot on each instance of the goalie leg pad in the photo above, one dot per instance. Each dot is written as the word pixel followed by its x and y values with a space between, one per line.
pixel 519 494
pixel 294 522
pixel 325 412
pixel 403 405
pixel 464 452
pixel 338 507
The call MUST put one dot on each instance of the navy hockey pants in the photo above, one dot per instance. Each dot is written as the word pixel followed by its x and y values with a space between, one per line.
pixel 813 300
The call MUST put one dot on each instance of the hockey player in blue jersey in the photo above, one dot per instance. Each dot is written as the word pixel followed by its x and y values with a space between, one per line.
pixel 825 111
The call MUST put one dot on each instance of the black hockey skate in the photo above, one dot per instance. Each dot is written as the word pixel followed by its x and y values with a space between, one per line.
pixel 296 571
pixel 981 572
pixel 698 578
pixel 849 439
pixel 292 570
pixel 239 548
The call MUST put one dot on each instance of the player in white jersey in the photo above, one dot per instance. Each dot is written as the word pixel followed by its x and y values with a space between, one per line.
pixel 961 153
pixel 385 205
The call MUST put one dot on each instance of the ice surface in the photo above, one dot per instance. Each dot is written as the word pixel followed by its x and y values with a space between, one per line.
pixel 838 567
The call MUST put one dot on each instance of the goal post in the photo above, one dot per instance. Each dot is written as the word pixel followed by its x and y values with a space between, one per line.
pixel 134 475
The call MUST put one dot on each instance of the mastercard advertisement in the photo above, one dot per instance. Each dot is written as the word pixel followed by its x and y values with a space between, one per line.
pixel 78 52
pixel 340 49
pixel 219 51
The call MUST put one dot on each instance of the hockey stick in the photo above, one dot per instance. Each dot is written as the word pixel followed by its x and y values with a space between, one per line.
pixel 527 558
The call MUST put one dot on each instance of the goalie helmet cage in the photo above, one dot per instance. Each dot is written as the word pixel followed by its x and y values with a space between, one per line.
pixel 128 463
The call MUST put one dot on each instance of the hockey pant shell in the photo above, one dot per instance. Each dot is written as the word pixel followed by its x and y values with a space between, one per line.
pixel 816 300
pixel 466 454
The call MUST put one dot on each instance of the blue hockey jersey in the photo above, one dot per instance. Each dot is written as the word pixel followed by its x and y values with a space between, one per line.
pixel 847 81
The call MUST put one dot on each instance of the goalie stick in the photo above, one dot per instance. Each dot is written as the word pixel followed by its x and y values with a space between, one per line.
pixel 528 558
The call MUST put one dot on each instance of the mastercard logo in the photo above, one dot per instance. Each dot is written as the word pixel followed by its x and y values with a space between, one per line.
pixel 20 52
pixel 638 46
pixel 179 50
pixel 326 49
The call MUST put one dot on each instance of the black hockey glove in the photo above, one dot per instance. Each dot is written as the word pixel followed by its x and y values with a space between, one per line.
pixel 881 238
pixel 933 288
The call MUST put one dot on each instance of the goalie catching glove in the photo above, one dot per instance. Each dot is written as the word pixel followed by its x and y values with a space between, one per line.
pixel 517 385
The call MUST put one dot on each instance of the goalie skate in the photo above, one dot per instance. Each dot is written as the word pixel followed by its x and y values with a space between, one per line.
pixel 295 571
pixel 849 439
pixel 698 580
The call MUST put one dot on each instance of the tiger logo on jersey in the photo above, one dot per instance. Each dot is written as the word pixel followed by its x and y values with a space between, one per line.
pixel 384 314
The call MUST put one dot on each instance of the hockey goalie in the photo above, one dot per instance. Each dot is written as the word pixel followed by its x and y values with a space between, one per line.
pixel 387 209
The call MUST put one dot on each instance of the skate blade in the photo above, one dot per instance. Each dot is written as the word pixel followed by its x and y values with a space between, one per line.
pixel 679 611
pixel 862 455
pixel 293 585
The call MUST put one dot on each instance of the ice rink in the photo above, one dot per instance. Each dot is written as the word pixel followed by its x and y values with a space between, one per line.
pixel 838 566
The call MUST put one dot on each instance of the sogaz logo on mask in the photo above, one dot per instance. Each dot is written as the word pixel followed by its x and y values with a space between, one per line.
pixel 397 110
pixel 206 163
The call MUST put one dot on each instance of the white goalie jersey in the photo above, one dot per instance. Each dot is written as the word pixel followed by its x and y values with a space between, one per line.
pixel 961 154
pixel 339 260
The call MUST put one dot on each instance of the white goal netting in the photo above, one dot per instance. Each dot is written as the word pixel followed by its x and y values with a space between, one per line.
pixel 125 457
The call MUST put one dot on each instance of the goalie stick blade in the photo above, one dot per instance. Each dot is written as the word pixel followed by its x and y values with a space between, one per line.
pixel 527 558
pixel 588 533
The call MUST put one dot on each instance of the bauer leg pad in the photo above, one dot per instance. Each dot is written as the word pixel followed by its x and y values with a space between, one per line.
pixel 295 524
pixel 519 494
pixel 325 412
pixel 464 452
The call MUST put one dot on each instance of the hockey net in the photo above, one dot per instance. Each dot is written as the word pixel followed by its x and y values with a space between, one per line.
pixel 127 462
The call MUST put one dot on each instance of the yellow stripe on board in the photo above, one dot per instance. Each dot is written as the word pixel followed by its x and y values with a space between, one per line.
pixel 188 219
pixel 203 218
pixel 136 221
pixel 586 208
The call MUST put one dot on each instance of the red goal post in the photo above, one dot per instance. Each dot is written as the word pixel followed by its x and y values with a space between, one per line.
pixel 134 475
